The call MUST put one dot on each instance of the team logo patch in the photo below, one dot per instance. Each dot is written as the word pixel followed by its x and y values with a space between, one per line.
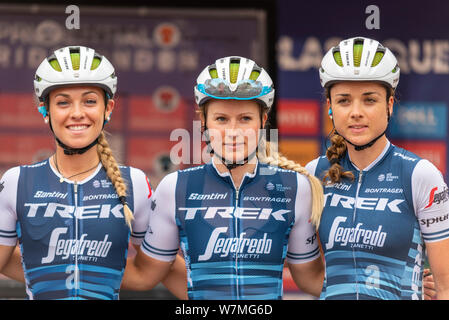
pixel 439 197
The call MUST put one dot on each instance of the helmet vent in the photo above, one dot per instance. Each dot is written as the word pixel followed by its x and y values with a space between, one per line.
pixel 234 65
pixel 357 52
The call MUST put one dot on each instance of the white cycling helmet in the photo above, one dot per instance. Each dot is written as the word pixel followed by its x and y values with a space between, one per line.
pixel 74 65
pixel 235 78
pixel 359 59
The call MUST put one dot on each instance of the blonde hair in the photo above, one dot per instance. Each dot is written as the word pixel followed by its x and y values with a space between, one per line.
pixel 114 174
pixel 265 154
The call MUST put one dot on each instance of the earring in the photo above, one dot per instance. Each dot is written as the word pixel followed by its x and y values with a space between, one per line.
pixel 46 120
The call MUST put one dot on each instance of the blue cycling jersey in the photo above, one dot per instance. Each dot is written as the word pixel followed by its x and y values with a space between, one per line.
pixel 234 240
pixel 73 236
pixel 373 229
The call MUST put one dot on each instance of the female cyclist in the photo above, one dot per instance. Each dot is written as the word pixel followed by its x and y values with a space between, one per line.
pixel 237 217
pixel 73 213
pixel 383 204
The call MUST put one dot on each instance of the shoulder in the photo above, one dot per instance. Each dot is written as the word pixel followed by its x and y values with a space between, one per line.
pixel 312 166
pixel 268 169
pixel 425 170
pixel 11 174
pixel 404 156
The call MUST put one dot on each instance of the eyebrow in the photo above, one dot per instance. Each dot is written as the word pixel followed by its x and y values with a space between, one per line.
pixel 363 94
pixel 68 96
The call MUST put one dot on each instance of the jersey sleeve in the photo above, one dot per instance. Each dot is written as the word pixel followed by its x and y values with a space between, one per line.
pixel 430 200
pixel 142 194
pixel 303 242
pixel 311 166
pixel 162 238
pixel 8 215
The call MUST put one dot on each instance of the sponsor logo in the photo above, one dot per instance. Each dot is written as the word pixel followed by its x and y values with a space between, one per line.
pixel 100 197
pixel 65 211
pixel 153 204
pixel 356 237
pixel 376 204
pixel 230 212
pixel 2 186
pixel 437 198
pixel 278 187
pixel 269 186
pixel 210 196
pixel 102 183
pixel 268 199
pixel 404 157
pixel 384 190
pixel 429 221
pixel 311 240
pixel 388 177
pixel 90 249
pixel 43 194
pixel 240 247
pixel 339 186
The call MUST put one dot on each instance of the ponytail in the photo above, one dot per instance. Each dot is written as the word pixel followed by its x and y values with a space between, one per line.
pixel 267 155
pixel 114 174
pixel 334 154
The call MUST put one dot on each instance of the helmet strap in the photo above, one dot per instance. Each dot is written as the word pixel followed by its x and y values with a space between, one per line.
pixel 369 144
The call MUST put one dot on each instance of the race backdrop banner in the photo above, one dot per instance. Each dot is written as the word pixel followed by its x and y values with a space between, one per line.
pixel 417 34
pixel 157 54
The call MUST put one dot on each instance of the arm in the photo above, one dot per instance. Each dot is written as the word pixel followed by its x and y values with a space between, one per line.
pixel 431 202
pixel 303 255
pixel 438 254
pixel 308 276
pixel 13 268
pixel 176 280
pixel 143 272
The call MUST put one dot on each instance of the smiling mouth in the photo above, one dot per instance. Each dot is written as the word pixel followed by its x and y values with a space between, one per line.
pixel 79 127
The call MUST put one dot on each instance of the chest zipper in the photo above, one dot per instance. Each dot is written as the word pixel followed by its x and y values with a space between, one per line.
pixel 359 183
pixel 236 259
pixel 76 271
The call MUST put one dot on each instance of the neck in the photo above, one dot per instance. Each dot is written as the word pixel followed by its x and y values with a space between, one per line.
pixel 69 165
pixel 362 159
pixel 238 172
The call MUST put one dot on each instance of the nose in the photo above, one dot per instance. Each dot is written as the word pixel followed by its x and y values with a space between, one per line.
pixel 356 109
pixel 77 111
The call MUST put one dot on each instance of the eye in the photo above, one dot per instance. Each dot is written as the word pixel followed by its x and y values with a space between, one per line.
pixel 371 100
pixel 247 118
pixel 220 119
pixel 342 100
pixel 62 103
pixel 91 101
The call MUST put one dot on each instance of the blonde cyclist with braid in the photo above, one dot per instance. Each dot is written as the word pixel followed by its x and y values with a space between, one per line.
pixel 74 213
pixel 238 217
pixel 385 207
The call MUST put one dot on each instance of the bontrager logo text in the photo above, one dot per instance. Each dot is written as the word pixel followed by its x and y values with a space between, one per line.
pixel 230 212
pixel 356 236
pixel 377 204
pixel 48 210
pixel 240 247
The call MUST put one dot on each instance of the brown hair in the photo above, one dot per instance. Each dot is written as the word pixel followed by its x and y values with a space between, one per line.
pixel 266 154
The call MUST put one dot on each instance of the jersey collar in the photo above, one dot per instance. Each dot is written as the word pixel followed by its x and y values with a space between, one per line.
pixel 376 161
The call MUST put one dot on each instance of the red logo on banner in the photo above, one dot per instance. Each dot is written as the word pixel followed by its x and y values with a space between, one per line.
pixel 298 117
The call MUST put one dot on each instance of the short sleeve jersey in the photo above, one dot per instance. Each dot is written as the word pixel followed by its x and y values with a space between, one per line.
pixel 373 229
pixel 73 236
pixel 234 240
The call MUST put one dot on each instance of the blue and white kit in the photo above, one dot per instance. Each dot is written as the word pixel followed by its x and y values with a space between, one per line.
pixel 234 241
pixel 73 236
pixel 373 229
